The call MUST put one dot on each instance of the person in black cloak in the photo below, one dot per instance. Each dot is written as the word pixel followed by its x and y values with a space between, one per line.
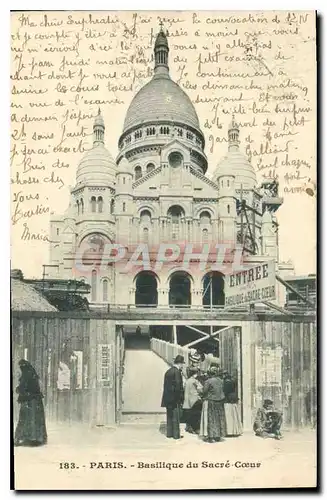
pixel 31 428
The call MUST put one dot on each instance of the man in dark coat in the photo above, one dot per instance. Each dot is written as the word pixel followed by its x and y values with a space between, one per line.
pixel 173 397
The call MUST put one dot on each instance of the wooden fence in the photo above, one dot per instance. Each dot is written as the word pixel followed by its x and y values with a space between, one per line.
pixel 76 362
pixel 80 362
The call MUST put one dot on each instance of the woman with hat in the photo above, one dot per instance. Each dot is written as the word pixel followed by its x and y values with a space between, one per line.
pixel 173 397
pixel 31 429
pixel 192 402
pixel 213 421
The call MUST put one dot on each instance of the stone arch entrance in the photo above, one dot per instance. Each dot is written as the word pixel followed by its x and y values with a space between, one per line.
pixel 180 289
pixel 146 289
pixel 213 289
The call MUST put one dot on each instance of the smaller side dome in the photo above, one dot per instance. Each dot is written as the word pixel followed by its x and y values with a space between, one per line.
pixel 97 167
pixel 236 163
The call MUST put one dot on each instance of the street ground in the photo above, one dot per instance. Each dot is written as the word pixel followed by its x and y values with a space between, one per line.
pixel 290 462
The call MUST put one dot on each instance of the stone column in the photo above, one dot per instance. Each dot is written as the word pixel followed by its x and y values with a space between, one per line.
pixel 196 296
pixel 132 291
pixel 163 296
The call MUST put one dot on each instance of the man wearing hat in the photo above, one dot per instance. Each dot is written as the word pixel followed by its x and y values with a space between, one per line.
pixel 173 396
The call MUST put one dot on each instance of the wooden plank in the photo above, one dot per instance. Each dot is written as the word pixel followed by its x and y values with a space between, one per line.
pixel 133 316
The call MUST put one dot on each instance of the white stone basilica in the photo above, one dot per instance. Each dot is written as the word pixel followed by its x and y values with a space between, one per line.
pixel 157 191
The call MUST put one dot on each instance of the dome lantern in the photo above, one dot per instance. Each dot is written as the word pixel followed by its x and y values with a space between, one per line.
pixel 98 129
pixel 233 135
pixel 161 50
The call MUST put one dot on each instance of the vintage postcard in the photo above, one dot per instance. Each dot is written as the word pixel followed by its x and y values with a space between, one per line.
pixel 163 261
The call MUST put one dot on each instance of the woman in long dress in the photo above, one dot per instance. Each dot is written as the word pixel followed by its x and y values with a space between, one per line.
pixel 31 428
pixel 233 419
pixel 213 421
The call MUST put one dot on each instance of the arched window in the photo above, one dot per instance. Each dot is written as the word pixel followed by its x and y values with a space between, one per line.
pixel 145 235
pixel 112 206
pixel 93 204
pixel 138 173
pixel 145 216
pixel 150 167
pixel 180 289
pixel 205 218
pixel 213 289
pixel 94 286
pixel 82 206
pixel 228 209
pixel 100 204
pixel 205 235
pixel 124 180
pixel 57 231
pixel 228 183
pixel 146 293
pixel 105 290
pixel 124 207
pixel 175 215
pixel 77 204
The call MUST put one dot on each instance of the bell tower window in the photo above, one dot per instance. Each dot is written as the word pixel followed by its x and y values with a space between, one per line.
pixel 100 204
pixel 176 215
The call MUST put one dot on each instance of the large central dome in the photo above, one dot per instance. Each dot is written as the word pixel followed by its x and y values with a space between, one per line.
pixel 160 113
pixel 161 100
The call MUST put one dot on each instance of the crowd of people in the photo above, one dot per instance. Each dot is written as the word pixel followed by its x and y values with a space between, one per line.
pixel 208 403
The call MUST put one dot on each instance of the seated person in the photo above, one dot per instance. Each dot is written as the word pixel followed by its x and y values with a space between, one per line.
pixel 268 421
